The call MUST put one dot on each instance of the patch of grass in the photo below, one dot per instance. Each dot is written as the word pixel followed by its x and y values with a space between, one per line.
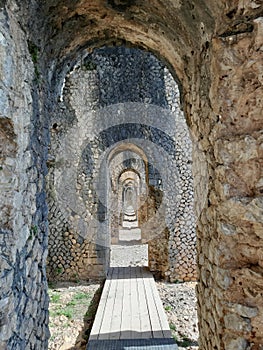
pixel 52 337
pixel 72 303
pixel 33 50
pixel 175 338
pixel 52 313
pixel 55 298
pixel 172 326
pixel 185 342
pixel 167 308
pixel 66 325
pixel 77 279
pixel 71 309
pixel 81 296
pixel 90 313
pixel 67 311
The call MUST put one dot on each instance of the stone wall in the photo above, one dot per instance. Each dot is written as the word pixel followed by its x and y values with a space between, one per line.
pixel 73 249
pixel 111 92
pixel 229 247
pixel 23 232
pixel 182 244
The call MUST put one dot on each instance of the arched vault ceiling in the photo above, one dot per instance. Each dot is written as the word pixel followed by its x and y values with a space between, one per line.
pixel 171 28
pixel 176 30
pixel 179 32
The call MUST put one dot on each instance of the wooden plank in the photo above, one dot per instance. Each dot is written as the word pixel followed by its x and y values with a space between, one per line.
pixel 160 310
pixel 130 307
pixel 126 306
pixel 154 316
pixel 95 331
pixel 135 312
pixel 106 321
pixel 115 330
pixel 145 329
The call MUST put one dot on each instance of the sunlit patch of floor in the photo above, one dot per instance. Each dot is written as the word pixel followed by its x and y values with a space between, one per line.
pixel 130 251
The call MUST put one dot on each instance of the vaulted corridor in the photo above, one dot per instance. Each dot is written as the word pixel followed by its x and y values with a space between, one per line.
pixel 129 114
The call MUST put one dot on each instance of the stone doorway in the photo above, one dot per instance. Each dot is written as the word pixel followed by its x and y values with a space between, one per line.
pixel 128 170
pixel 120 158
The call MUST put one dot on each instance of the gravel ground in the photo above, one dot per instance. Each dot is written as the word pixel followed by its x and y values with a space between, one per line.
pixel 71 313
pixel 179 302
pixel 73 306
pixel 129 255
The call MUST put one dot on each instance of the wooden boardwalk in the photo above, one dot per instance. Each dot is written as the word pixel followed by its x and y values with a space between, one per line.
pixel 130 313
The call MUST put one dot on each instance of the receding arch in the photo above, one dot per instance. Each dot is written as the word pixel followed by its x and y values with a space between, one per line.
pixel 127 146
pixel 107 140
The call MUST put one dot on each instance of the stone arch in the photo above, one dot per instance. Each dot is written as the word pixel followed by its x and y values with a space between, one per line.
pixel 121 131
pixel 130 194
pixel 125 146
pixel 149 205
pixel 123 168
pixel 129 176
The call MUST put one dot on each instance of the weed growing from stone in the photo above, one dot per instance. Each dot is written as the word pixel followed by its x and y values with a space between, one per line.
pixel 33 231
pixel 34 52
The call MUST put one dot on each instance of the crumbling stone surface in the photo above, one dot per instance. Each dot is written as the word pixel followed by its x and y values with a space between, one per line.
pixel 23 233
